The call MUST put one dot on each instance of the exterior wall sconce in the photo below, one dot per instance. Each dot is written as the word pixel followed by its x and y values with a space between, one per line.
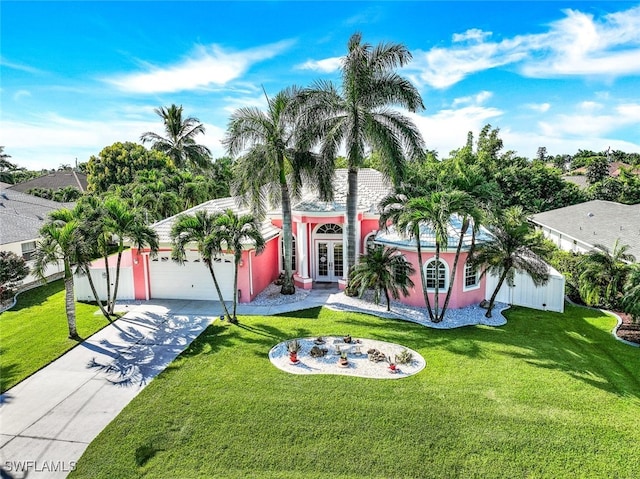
pixel 241 263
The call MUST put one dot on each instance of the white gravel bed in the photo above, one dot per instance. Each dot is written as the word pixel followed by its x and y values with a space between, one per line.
pixel 271 296
pixel 359 365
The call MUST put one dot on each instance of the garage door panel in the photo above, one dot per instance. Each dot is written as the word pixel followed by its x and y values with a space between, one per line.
pixel 191 280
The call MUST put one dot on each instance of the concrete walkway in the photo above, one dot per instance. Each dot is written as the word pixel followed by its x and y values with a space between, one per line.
pixel 48 420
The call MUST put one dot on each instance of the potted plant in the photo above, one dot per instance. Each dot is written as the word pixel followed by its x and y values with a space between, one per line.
pixel 392 365
pixel 293 347
pixel 347 339
pixel 343 362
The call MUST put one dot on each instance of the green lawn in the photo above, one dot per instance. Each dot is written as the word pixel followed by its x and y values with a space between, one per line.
pixel 34 332
pixel 547 395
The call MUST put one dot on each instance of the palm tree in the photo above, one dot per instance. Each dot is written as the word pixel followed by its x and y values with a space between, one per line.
pixel 60 242
pixel 631 299
pixel 359 116
pixel 235 231
pixel 179 143
pixel 6 167
pixel 272 169
pixel 199 228
pixel 126 223
pixel 512 248
pixel 411 211
pixel 603 274
pixel 384 270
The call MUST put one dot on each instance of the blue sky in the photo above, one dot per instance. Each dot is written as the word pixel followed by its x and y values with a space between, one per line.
pixel 78 76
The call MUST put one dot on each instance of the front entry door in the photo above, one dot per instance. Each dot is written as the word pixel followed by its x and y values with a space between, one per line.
pixel 329 257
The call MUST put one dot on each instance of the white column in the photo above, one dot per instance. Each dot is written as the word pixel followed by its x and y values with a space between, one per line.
pixel 302 245
pixel 345 256
pixel 358 234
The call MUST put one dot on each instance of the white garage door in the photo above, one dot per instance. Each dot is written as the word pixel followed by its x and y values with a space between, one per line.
pixel 191 280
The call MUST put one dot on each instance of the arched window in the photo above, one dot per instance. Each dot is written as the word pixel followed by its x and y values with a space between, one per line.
pixel 442 275
pixel 294 266
pixel 329 229
pixel 368 241
pixel 471 277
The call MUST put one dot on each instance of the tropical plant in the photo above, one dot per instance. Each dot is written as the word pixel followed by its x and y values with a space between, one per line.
pixel 385 271
pixel 412 212
pixel 236 231
pixel 359 116
pixel 512 248
pixel 604 273
pixel 271 168
pixel 13 269
pixel 60 243
pixel 179 142
pixel 199 228
pixel 631 297
pixel 126 224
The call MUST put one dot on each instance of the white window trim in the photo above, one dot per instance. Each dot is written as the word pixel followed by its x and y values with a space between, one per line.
pixel 366 239
pixel 446 274
pixel 466 288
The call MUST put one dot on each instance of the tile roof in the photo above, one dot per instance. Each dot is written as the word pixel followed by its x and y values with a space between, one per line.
pixel 22 215
pixel 392 237
pixel 372 188
pixel 54 181
pixel 595 222
pixel 163 227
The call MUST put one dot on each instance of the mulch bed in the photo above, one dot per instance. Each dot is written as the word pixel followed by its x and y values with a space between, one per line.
pixel 628 330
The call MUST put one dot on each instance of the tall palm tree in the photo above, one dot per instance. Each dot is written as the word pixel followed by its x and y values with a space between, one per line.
pixel 443 214
pixel 631 298
pixel 178 142
pixel 199 228
pixel 359 116
pixel 603 275
pixel 127 224
pixel 235 231
pixel 512 248
pixel 273 166
pixel 60 242
pixel 384 270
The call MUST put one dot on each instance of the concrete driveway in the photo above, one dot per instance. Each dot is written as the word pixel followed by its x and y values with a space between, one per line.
pixel 49 419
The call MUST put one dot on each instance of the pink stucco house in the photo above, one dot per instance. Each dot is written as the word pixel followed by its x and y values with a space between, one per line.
pixel 319 254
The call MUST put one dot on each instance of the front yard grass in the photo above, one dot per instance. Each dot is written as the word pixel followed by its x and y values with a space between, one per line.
pixel 34 332
pixel 547 395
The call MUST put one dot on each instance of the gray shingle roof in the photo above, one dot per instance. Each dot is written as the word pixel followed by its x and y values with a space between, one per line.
pixel 372 188
pixel 22 215
pixel 54 181
pixel 163 227
pixel 596 222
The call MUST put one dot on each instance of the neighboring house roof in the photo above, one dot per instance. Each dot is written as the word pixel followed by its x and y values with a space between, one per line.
pixel 54 181
pixel 372 188
pixel 392 237
pixel 596 222
pixel 579 180
pixel 163 227
pixel 22 215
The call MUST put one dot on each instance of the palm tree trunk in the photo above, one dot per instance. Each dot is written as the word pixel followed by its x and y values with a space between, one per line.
pixel 423 279
pixel 235 284
pixel 352 206
pixel 437 292
pixel 287 285
pixel 115 287
pixel 495 292
pixel 104 312
pixel 70 301
pixel 106 269
pixel 452 276
pixel 215 282
pixel 386 294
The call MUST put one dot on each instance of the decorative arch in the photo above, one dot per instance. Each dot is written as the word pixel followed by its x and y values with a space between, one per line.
pixel 368 241
pixel 329 229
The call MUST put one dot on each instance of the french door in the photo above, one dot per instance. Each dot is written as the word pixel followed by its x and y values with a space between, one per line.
pixel 329 260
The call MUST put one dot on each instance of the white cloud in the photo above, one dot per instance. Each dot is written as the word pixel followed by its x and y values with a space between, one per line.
pixel 327 65
pixel 576 45
pixel 539 107
pixel 205 67
pixel 20 94
pixel 471 35
pixel 477 99
pixel 19 66
pixel 588 123
pixel 589 106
